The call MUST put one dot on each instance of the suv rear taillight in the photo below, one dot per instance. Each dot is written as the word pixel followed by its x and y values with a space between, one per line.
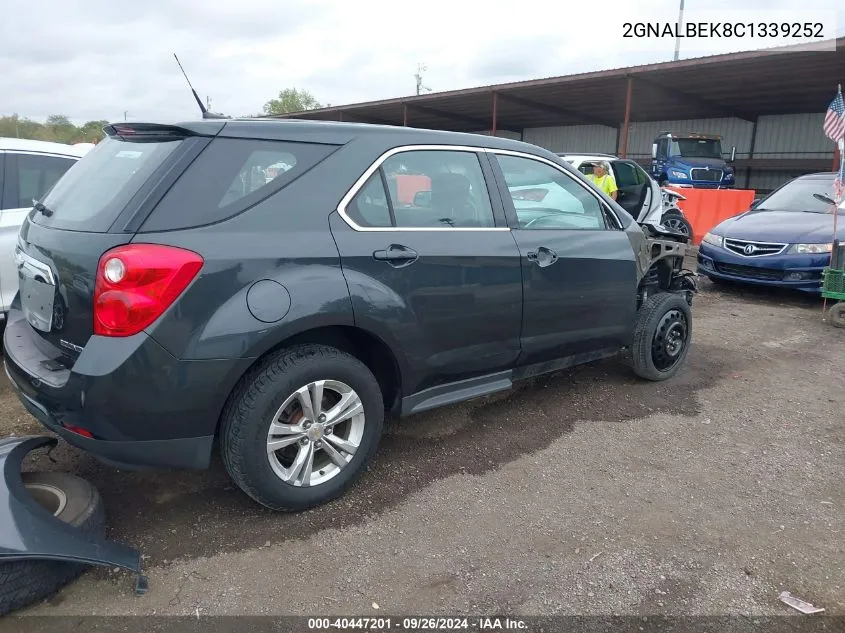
pixel 136 283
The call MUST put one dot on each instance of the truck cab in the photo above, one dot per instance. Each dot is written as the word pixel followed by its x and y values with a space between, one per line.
pixel 691 160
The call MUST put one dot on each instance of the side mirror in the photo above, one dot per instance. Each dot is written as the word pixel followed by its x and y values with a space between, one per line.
pixel 422 199
pixel 733 154
pixel 654 150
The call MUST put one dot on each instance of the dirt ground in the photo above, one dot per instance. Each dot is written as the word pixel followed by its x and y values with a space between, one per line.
pixel 588 492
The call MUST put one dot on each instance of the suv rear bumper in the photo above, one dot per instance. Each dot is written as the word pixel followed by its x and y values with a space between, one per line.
pixel 142 406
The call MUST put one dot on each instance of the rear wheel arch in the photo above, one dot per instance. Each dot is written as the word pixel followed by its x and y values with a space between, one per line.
pixel 367 347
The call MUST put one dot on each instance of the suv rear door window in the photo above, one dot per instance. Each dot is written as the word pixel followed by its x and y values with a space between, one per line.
pixel 427 189
pixel 98 187
pixel 229 176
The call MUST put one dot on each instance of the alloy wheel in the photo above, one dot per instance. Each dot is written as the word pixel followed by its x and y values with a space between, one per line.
pixel 315 433
pixel 676 224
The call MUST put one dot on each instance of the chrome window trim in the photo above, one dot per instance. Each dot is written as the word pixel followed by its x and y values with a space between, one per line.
pixel 602 204
pixel 359 184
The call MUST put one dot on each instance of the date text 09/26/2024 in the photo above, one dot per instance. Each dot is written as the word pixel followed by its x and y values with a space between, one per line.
pixel 770 30
pixel 417 624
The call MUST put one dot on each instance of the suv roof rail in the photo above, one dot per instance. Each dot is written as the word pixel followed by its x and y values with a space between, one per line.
pixel 586 154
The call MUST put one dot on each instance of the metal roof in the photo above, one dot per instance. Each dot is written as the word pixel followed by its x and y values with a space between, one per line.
pixel 785 80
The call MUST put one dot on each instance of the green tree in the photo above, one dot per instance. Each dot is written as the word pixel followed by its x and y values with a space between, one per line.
pixel 59 128
pixel 92 131
pixel 56 128
pixel 291 100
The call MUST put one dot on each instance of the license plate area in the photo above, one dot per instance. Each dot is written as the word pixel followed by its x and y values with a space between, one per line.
pixel 37 287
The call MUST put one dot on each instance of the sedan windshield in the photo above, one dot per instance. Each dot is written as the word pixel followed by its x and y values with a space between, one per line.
pixel 696 148
pixel 798 196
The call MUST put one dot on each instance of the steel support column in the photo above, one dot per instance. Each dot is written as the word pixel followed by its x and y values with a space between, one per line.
pixel 750 155
pixel 623 149
pixel 405 114
pixel 495 113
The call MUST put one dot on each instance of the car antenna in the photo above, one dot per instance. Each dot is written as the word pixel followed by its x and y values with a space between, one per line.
pixel 205 113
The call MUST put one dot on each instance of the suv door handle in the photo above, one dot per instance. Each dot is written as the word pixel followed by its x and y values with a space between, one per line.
pixel 542 257
pixel 396 255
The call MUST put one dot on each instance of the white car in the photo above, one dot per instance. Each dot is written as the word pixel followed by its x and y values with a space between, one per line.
pixel 639 194
pixel 28 169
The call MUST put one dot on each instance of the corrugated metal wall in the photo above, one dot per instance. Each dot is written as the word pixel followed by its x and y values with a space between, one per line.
pixel 783 136
pixel 768 179
pixel 793 136
pixel 574 138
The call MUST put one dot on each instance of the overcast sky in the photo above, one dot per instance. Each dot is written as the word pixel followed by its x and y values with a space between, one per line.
pixel 95 59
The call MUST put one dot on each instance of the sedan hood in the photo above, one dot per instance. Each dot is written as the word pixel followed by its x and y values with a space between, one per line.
pixel 791 227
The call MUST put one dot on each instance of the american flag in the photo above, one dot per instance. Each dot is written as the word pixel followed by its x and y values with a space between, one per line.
pixel 839 183
pixel 834 120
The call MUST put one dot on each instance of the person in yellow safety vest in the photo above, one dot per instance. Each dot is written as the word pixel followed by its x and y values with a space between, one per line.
pixel 603 179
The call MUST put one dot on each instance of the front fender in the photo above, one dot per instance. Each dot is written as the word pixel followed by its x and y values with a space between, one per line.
pixel 28 531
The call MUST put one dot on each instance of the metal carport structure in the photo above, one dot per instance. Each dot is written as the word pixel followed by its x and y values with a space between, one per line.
pixel 746 85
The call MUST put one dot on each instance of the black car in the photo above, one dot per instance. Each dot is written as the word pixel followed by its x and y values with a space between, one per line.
pixel 284 286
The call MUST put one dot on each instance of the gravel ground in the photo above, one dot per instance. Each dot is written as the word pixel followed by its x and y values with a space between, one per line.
pixel 587 492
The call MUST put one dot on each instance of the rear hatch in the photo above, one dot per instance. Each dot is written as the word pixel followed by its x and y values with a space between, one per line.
pixel 96 206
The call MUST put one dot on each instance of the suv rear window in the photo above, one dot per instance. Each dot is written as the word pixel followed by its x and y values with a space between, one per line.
pixel 229 176
pixel 93 192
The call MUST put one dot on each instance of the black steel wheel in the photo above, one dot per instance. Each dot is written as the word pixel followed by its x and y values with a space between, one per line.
pixel 669 340
pixel 662 336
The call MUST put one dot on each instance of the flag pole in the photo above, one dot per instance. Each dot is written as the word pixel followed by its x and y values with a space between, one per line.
pixel 837 198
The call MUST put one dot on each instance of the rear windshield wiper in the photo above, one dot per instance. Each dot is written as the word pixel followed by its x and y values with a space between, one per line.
pixel 45 211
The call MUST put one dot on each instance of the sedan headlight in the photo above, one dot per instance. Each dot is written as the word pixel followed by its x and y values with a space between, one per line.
pixel 815 249
pixel 679 175
pixel 710 238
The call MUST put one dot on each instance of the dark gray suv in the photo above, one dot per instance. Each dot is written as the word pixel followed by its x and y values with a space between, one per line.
pixel 284 286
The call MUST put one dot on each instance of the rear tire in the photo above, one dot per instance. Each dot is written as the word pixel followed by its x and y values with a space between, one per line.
pixel 662 337
pixel 265 411
pixel 836 314
pixel 74 501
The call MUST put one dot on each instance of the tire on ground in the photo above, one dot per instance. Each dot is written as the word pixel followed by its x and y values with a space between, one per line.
pixel 246 421
pixel 26 581
pixel 649 320
pixel 836 314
